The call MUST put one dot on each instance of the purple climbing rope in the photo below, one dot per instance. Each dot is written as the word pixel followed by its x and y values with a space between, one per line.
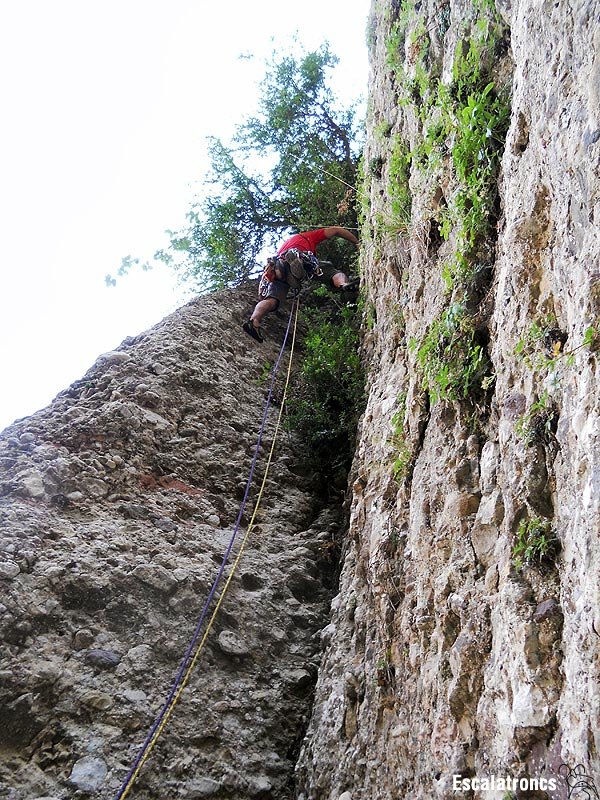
pixel 192 645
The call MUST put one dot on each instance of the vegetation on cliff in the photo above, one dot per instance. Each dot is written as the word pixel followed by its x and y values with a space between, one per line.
pixel 328 395
pixel 460 121
pixel 292 165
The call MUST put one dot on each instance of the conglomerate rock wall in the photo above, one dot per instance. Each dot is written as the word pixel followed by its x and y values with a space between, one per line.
pixel 116 505
pixel 443 657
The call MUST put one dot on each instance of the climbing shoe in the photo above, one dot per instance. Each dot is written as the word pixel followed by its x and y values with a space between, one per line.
pixel 252 331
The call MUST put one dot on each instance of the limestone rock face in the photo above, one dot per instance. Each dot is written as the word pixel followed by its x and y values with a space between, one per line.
pixel 116 505
pixel 441 657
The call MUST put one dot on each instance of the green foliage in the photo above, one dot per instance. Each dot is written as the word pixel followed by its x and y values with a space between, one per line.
pixel 329 394
pixel 364 205
pixel 265 373
pixel 288 167
pixel 382 130
pixel 396 38
pixel 535 543
pixel 321 291
pixel 409 35
pixel 454 364
pixel 538 424
pixel 542 349
pixel 476 124
pixel 543 345
pixel 401 466
pixel 370 315
pixel 394 539
pixel 385 670
pixel 591 336
pixel 465 124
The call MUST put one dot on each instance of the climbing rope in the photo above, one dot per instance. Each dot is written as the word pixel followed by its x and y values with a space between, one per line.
pixel 195 647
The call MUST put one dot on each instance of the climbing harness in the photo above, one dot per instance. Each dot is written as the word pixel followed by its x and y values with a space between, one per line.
pixel 295 265
pixel 195 647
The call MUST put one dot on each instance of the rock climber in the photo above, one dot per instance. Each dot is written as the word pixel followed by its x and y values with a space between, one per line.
pixel 289 268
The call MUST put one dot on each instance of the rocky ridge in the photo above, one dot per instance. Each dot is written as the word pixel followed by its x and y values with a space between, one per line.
pixel 116 505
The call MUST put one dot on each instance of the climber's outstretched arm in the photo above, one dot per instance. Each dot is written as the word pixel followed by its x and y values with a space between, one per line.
pixel 336 230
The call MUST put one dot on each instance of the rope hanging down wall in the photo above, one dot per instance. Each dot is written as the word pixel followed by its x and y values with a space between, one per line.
pixel 196 644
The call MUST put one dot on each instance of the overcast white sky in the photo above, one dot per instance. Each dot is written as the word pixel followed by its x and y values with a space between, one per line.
pixel 105 108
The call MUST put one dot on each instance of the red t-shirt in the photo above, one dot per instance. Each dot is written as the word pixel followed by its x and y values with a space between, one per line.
pixel 307 241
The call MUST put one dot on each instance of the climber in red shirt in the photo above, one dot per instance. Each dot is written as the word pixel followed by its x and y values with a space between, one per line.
pixel 288 271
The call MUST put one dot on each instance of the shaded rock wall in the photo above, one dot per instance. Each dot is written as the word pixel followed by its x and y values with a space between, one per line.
pixel 442 658
pixel 116 505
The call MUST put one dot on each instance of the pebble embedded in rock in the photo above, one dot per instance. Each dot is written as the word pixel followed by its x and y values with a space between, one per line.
pixel 299 679
pixel 32 484
pixel 232 644
pixel 165 524
pixel 9 570
pixel 546 610
pixel 98 700
pixel 201 787
pixel 134 510
pixel 112 357
pixel 302 586
pixel 102 659
pixel 155 576
pixel 88 774
pixel 259 786
pixel 135 695
pixel 139 658
pixel 82 639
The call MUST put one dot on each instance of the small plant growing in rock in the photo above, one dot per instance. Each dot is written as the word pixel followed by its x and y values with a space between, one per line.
pixel 401 465
pixel 321 291
pixel 265 373
pixel 454 364
pixel 394 540
pixel 535 543
pixel 538 424
pixel 543 345
pixel 385 670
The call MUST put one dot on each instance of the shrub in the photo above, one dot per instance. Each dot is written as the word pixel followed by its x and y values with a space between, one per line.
pixel 454 364
pixel 535 543
pixel 328 395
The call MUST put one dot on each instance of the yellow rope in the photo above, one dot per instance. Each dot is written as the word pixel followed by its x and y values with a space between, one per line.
pixel 193 662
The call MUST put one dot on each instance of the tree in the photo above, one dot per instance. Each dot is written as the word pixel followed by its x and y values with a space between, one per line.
pixel 291 166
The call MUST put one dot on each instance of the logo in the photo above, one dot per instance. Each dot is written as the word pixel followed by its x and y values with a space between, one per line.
pixel 495 783
pixel 581 786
